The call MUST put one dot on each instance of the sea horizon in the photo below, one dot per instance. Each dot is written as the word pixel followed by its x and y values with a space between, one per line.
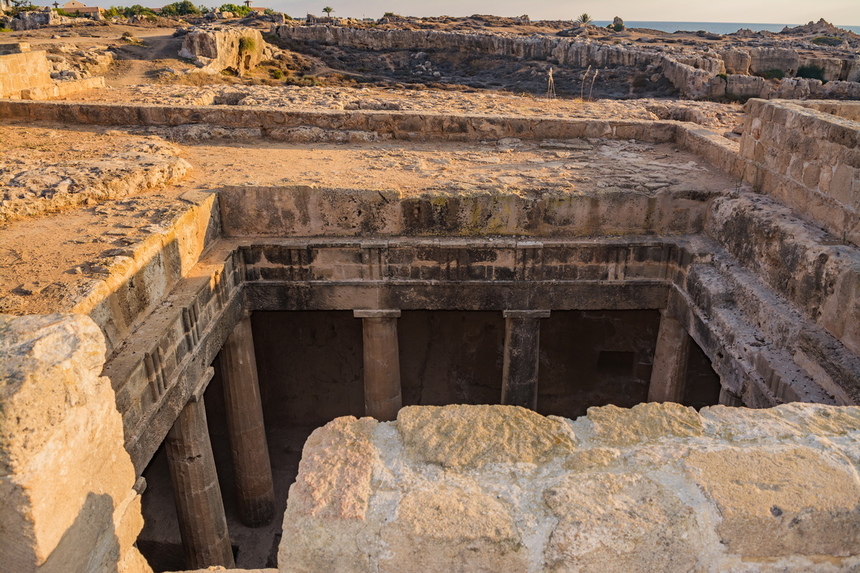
pixel 713 27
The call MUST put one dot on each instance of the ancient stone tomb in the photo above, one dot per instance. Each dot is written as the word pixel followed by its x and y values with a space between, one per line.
pixel 263 312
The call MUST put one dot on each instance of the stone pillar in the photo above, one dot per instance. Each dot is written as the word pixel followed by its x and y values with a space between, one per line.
pixel 382 396
pixel 669 373
pixel 255 491
pixel 202 522
pixel 728 398
pixel 522 354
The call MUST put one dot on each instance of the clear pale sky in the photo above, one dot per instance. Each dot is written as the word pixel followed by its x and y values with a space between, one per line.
pixel 846 12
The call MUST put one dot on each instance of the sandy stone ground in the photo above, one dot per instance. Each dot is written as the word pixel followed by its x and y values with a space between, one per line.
pixel 51 261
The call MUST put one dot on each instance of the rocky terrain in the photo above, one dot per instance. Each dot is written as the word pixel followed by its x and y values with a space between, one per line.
pixel 35 179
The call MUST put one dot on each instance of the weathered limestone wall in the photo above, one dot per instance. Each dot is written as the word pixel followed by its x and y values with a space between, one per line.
pixel 63 89
pixel 340 126
pixel 845 110
pixel 809 160
pixel 67 501
pixel 654 488
pixel 24 71
pixel 215 50
pixel 696 77
pixel 305 211
pixel 167 362
pixel 27 75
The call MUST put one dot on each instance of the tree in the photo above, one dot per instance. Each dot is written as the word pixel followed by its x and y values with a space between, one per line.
pixel 584 19
pixel 240 11
pixel 183 8
pixel 328 10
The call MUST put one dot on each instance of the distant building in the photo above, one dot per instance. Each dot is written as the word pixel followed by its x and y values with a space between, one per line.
pixel 75 7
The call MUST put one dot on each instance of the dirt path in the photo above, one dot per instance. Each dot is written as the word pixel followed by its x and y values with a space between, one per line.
pixel 140 63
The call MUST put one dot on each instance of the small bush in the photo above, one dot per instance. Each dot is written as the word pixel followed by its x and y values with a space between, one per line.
pixel 183 8
pixel 5 30
pixel 240 11
pixel 774 74
pixel 61 12
pixel 618 27
pixel 827 41
pixel 276 74
pixel 246 44
pixel 812 72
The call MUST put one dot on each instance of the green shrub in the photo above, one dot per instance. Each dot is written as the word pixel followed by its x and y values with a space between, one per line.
pixel 246 44
pixel 135 10
pixel 827 41
pixel 276 74
pixel 61 12
pixel 183 8
pixel 240 11
pixel 618 27
pixel 774 74
pixel 812 72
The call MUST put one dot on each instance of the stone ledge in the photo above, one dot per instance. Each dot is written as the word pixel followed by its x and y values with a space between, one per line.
pixel 658 487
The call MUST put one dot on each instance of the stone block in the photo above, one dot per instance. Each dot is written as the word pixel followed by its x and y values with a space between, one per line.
pixel 68 502
pixel 781 502
pixel 479 435
pixel 767 491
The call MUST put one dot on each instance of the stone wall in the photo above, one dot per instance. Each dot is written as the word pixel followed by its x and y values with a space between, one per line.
pixel 27 75
pixel 339 126
pixel 654 488
pixel 297 211
pixel 66 483
pixel 24 71
pixel 809 160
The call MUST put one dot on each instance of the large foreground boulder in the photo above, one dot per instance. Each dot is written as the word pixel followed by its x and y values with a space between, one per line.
pixel 658 487
pixel 67 501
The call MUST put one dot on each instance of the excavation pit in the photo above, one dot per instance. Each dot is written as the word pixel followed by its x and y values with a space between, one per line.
pixel 584 262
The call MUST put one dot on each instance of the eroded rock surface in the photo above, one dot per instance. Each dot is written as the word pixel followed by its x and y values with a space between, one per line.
pixel 217 49
pixel 35 181
pixel 658 487
pixel 66 496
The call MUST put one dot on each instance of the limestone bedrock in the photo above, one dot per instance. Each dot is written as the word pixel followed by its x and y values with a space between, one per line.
pixel 66 483
pixel 659 487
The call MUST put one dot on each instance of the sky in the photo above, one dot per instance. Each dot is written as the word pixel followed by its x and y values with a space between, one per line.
pixel 846 12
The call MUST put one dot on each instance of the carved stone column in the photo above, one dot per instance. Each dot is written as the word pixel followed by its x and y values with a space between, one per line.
pixel 521 357
pixel 382 394
pixel 196 491
pixel 669 374
pixel 253 470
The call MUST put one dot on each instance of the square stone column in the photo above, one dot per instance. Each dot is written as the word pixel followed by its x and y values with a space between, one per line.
pixel 521 357
pixel 250 452
pixel 196 491
pixel 669 374
pixel 382 393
